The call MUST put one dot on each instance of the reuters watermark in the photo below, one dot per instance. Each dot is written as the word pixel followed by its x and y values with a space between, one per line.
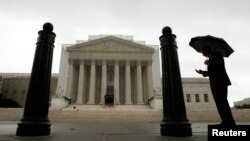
pixel 241 132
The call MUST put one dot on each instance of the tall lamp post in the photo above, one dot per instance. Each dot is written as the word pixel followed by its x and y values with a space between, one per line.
pixel 175 122
pixel 35 120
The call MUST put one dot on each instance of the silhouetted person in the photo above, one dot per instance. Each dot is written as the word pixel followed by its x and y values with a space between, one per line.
pixel 219 81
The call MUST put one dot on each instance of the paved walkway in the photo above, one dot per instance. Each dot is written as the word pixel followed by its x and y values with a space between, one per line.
pixel 72 131
pixel 116 131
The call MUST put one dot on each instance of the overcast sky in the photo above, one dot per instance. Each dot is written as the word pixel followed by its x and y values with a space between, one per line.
pixel 76 19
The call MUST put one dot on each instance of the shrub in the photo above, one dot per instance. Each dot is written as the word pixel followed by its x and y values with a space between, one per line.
pixel 8 103
pixel 244 106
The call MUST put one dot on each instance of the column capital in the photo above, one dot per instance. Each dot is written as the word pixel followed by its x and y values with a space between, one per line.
pixel 82 61
pixel 116 62
pixel 93 61
pixel 71 61
pixel 128 62
pixel 138 62
pixel 150 62
pixel 104 62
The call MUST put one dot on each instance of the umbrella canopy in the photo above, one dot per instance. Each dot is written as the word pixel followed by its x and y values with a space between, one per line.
pixel 217 44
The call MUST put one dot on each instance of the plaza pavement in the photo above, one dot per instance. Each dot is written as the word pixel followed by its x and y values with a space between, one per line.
pixel 102 131
pixel 110 125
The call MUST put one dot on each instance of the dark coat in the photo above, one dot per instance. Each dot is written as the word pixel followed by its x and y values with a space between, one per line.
pixel 216 71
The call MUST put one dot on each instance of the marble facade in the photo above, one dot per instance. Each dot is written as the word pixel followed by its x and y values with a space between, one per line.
pixel 109 65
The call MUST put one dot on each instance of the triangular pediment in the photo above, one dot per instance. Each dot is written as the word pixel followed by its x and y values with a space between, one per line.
pixel 110 43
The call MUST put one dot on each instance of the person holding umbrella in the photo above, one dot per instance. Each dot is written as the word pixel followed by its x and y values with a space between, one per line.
pixel 215 49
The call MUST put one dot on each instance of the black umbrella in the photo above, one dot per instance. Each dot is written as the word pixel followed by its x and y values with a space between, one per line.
pixel 217 44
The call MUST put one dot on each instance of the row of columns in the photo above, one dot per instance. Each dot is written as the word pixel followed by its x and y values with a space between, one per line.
pixel 92 83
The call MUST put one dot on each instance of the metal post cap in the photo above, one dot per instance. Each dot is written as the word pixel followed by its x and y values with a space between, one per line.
pixel 166 30
pixel 48 26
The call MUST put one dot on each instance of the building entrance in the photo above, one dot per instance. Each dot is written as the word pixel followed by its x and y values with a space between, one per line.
pixel 109 97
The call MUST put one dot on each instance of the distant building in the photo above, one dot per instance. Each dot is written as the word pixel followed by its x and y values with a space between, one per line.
pixel 197 94
pixel 245 101
pixel 15 86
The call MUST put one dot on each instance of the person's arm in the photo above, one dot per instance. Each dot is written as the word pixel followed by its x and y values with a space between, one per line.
pixel 204 73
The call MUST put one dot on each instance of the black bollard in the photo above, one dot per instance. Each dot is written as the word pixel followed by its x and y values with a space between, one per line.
pixel 35 121
pixel 175 122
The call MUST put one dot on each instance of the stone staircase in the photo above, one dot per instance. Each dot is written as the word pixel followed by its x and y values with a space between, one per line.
pixel 100 113
pixel 10 114
pixel 119 114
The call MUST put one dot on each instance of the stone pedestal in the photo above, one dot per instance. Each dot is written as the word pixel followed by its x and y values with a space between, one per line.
pixel 156 102
pixel 58 103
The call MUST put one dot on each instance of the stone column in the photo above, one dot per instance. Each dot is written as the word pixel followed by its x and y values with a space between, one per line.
pixel 128 99
pixel 116 83
pixel 79 99
pixel 104 81
pixel 92 84
pixel 139 83
pixel 149 80
pixel 70 79
pixel 174 122
pixel 35 121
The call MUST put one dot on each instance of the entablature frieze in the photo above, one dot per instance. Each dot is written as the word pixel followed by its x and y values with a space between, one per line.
pixel 110 62
pixel 111 56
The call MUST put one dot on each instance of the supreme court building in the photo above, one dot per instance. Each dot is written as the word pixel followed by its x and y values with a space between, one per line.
pixel 112 68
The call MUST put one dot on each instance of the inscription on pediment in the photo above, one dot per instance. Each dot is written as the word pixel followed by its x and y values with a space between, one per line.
pixel 109 46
